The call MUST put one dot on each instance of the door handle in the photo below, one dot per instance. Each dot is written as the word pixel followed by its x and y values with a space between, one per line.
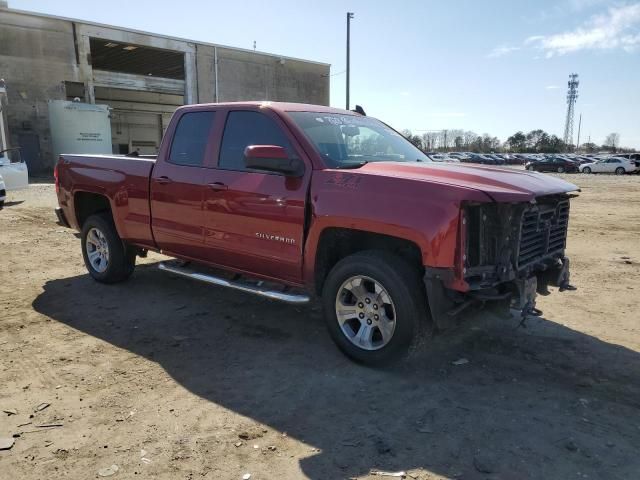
pixel 163 180
pixel 218 186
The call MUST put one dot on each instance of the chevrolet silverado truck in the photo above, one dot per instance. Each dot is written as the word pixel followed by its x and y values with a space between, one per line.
pixel 291 202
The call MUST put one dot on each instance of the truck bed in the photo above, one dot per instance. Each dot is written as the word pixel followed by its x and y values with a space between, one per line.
pixel 123 180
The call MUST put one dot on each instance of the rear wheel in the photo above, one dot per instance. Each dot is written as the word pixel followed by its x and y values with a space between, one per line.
pixel 374 306
pixel 620 171
pixel 106 257
pixel 530 168
pixel 586 170
pixel 560 169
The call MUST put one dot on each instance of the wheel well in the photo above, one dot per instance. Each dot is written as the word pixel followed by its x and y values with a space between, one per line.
pixel 336 243
pixel 87 204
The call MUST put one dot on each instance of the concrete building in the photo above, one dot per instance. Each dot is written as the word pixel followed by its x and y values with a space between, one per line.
pixel 142 76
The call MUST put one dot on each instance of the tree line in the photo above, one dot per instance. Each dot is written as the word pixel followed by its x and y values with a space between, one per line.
pixel 536 141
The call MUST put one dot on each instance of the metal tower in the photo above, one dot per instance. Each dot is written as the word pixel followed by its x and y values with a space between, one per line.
pixel 572 96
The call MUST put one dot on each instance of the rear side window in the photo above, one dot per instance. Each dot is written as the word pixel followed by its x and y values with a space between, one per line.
pixel 191 138
pixel 246 128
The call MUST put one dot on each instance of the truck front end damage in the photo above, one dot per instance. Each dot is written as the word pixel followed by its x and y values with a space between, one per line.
pixel 508 253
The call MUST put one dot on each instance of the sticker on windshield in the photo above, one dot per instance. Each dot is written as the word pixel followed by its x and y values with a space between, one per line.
pixel 353 120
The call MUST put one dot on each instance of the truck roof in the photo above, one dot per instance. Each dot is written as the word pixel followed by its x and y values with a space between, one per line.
pixel 278 106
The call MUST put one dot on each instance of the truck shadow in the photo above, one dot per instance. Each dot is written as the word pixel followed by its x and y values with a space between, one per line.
pixel 541 402
pixel 12 203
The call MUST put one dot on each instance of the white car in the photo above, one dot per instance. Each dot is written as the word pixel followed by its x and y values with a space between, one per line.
pixel 443 158
pixel 616 165
pixel 13 170
pixel 3 192
pixel 459 156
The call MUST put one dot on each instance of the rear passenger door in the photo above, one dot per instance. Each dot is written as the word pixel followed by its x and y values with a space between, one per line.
pixel 178 186
pixel 254 221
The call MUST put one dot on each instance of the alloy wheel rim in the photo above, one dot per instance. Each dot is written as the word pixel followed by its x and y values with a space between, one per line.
pixel 97 250
pixel 365 312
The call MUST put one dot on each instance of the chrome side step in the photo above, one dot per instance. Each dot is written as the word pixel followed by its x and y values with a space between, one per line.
pixel 293 298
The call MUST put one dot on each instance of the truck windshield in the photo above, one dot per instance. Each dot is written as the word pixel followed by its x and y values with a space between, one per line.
pixel 349 141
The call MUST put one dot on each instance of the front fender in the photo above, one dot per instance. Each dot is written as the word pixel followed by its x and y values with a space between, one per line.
pixel 427 215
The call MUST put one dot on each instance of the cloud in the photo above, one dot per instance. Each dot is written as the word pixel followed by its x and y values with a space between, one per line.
pixel 405 94
pixel 501 51
pixel 618 28
pixel 552 87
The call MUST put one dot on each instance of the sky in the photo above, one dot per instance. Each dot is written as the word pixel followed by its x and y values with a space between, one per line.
pixel 491 67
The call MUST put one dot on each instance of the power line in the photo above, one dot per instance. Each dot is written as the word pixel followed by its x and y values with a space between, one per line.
pixel 334 74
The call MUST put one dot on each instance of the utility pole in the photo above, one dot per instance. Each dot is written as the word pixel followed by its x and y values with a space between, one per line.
pixel 349 17
pixel 579 127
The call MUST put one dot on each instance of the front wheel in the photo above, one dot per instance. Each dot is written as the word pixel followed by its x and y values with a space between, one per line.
pixel 374 306
pixel 586 170
pixel 620 171
pixel 530 168
pixel 560 169
pixel 106 257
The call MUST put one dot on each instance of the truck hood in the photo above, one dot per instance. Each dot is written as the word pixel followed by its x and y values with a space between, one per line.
pixel 500 184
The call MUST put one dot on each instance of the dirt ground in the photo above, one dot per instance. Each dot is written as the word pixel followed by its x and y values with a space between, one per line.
pixel 170 379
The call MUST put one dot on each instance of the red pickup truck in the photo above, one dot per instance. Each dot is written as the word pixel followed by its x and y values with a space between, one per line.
pixel 288 201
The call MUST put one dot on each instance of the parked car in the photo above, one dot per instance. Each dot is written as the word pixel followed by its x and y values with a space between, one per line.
pixel 3 192
pixel 482 159
pixel 296 195
pixel 552 164
pixel 458 155
pixel 497 159
pixel 583 159
pixel 440 157
pixel 512 159
pixel 616 165
pixel 634 157
pixel 13 169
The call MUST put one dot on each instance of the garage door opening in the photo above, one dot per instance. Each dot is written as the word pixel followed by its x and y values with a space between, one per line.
pixel 114 56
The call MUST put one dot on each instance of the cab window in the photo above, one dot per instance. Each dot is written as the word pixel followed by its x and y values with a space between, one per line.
pixel 244 128
pixel 191 138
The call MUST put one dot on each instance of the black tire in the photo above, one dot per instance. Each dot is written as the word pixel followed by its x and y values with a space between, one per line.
pixel 586 170
pixel 121 258
pixel 560 169
pixel 530 168
pixel 405 288
pixel 1 204
pixel 620 171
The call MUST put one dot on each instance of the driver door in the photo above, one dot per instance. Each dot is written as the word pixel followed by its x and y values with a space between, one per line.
pixel 545 165
pixel 254 220
pixel 608 166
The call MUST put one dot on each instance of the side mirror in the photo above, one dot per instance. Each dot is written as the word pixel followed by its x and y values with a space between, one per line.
pixel 272 158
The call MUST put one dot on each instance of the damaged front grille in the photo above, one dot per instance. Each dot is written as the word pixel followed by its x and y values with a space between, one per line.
pixel 510 240
pixel 543 231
